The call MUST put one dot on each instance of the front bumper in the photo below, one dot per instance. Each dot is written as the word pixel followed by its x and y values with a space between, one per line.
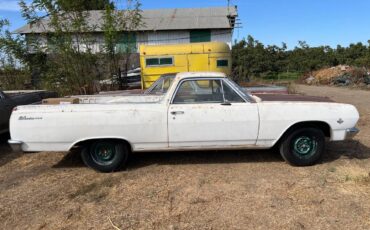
pixel 350 133
pixel 16 145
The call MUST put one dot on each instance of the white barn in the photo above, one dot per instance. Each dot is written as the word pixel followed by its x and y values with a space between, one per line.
pixel 162 26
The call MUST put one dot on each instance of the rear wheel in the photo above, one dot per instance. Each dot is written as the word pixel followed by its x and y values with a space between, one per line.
pixel 303 147
pixel 105 155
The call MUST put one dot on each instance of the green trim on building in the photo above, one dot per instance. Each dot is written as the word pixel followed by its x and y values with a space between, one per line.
pixel 200 36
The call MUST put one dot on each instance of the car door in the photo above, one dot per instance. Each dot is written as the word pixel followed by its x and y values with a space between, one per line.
pixel 210 115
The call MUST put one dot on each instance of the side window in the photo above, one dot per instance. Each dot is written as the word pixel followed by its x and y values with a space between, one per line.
pixel 166 84
pixel 163 61
pixel 222 63
pixel 230 94
pixel 199 91
pixel 157 88
pixel 152 61
pixel 202 84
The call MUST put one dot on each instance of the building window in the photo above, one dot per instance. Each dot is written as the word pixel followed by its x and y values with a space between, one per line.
pixel 222 63
pixel 200 36
pixel 126 43
pixel 165 61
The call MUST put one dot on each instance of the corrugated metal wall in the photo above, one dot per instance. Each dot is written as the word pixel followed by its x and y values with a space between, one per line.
pixel 168 37
pixel 96 42
pixel 222 36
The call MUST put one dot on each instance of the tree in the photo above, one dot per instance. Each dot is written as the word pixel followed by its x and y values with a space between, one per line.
pixel 12 57
pixel 73 63
pixel 69 66
pixel 81 5
pixel 252 59
pixel 120 27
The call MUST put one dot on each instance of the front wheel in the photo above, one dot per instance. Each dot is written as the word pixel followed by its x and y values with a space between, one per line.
pixel 303 147
pixel 105 155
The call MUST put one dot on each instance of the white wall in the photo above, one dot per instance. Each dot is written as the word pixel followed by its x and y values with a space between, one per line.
pixel 96 42
pixel 168 37
pixel 183 36
pixel 222 36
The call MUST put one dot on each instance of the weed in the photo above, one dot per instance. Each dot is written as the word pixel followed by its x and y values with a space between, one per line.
pixel 84 190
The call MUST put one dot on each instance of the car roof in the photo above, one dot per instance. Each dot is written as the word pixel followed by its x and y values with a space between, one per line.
pixel 199 75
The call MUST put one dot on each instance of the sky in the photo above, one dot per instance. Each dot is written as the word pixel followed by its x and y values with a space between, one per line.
pixel 318 22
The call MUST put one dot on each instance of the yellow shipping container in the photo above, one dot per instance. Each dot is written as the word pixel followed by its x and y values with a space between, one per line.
pixel 156 60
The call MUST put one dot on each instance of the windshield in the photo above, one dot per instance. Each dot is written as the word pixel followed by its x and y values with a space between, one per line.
pixel 161 85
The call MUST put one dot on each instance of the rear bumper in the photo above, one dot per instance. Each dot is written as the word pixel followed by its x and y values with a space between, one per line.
pixel 16 145
pixel 350 133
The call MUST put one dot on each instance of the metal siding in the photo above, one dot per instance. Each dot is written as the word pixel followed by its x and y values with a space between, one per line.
pixel 163 19
pixel 142 39
pixel 222 36
pixel 148 38
pixel 98 45
pixel 168 37
pixel 93 42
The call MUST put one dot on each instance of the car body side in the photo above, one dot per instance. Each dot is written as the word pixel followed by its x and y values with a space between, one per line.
pixel 147 126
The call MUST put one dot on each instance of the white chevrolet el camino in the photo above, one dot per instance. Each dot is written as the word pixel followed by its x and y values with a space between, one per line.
pixel 195 111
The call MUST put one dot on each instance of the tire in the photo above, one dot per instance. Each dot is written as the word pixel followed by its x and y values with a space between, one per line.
pixel 105 155
pixel 303 147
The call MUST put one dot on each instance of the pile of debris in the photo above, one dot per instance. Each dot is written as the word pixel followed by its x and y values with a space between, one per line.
pixel 342 75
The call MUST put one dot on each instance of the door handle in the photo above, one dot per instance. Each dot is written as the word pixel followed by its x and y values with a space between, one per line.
pixel 177 112
pixel 226 103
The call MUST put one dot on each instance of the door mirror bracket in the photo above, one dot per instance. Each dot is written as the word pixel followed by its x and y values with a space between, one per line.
pixel 226 103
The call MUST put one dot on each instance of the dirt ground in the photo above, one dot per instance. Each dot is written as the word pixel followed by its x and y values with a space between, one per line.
pixel 194 190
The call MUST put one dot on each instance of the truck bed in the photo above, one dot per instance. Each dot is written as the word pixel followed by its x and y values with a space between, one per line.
pixel 292 97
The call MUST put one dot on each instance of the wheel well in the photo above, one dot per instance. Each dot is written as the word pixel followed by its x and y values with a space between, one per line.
pixel 324 127
pixel 87 142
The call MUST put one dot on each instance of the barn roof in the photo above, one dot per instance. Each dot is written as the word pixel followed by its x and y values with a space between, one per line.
pixel 161 19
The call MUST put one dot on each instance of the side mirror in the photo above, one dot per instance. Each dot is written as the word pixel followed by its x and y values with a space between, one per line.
pixel 226 103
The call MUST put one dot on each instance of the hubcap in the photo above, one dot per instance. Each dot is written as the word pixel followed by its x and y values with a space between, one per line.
pixel 304 147
pixel 103 153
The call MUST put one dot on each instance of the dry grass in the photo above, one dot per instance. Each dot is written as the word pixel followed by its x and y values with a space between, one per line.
pixel 194 190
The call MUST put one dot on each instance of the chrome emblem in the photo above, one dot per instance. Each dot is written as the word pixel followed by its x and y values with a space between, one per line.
pixel 340 121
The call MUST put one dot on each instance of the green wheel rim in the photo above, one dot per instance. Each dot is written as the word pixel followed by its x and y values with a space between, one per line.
pixel 103 153
pixel 304 147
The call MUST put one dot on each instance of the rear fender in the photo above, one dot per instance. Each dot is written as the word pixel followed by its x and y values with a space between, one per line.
pixel 84 141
